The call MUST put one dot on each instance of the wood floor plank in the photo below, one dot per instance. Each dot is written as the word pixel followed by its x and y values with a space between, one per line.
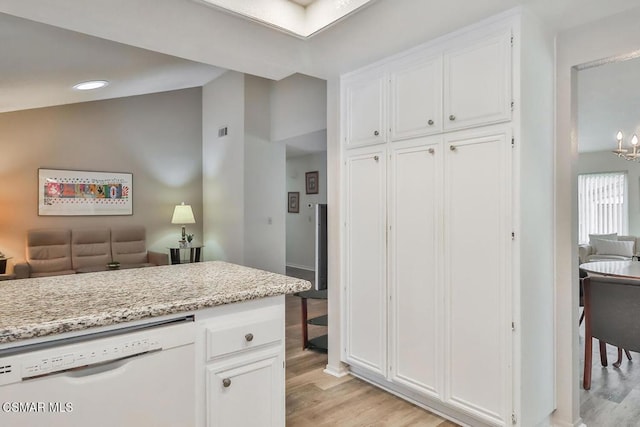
pixel 613 399
pixel 316 399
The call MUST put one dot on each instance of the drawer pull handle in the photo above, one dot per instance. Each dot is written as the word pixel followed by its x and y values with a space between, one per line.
pixel 226 382
pixel 248 337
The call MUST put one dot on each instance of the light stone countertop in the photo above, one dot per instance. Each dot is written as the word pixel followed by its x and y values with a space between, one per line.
pixel 39 307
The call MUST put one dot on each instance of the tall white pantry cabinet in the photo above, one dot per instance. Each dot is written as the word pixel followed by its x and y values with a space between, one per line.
pixel 447 211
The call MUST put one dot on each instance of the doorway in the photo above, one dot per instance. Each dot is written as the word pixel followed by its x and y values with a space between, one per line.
pixel 608 193
pixel 612 38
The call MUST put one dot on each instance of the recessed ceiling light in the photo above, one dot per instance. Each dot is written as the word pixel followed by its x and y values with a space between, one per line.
pixel 93 84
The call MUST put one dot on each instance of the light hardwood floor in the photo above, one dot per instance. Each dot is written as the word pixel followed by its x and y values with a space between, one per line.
pixel 614 397
pixel 318 399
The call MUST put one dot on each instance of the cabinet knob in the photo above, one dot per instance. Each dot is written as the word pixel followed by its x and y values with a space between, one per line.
pixel 431 151
pixel 226 382
pixel 248 337
pixel 376 158
pixel 430 122
pixel 452 117
pixel 452 148
pixel 376 133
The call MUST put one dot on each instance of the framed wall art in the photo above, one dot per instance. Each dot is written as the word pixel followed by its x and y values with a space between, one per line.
pixel 294 202
pixel 311 180
pixel 73 193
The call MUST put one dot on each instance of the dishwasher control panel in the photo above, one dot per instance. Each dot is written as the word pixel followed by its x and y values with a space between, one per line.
pixel 94 350
pixel 91 355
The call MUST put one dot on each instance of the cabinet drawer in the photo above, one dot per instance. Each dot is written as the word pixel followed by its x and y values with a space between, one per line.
pixel 231 338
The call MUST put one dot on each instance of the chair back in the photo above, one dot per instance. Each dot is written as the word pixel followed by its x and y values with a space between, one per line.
pixel 90 249
pixel 129 245
pixel 49 251
pixel 612 307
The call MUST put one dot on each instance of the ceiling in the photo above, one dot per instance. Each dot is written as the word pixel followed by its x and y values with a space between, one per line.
pixel 608 101
pixel 300 18
pixel 39 63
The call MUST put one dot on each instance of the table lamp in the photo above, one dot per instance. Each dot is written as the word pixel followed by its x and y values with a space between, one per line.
pixel 182 214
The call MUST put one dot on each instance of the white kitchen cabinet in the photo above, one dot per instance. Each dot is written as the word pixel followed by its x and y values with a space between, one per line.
pixel 477 82
pixel 366 109
pixel 240 365
pixel 477 246
pixel 366 345
pixel 445 300
pixel 414 264
pixel 416 97
pixel 246 389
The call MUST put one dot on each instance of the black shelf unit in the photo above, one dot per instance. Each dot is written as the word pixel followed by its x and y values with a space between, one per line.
pixel 319 343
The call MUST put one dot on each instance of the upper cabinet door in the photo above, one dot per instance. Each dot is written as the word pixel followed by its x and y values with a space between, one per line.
pixel 366 106
pixel 477 83
pixel 416 98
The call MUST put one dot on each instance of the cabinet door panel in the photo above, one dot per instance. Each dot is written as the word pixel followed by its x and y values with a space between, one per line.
pixel 253 395
pixel 477 82
pixel 366 260
pixel 416 98
pixel 414 265
pixel 478 235
pixel 366 111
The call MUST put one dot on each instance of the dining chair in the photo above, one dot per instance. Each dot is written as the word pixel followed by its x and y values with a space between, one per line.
pixel 583 276
pixel 611 305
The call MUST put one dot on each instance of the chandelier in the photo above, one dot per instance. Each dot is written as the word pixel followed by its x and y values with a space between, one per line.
pixel 634 155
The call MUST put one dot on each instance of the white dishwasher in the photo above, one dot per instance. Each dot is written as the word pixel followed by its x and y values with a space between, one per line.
pixel 135 376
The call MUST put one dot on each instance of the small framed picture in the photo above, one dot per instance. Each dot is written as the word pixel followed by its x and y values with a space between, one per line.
pixel 294 202
pixel 311 179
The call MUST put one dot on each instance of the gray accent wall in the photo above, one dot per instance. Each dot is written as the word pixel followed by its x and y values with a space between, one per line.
pixel 156 137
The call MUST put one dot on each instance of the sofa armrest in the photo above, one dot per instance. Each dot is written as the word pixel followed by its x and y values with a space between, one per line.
pixel 22 270
pixel 158 258
pixel 584 251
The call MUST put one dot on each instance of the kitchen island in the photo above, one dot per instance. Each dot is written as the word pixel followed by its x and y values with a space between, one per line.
pixel 206 338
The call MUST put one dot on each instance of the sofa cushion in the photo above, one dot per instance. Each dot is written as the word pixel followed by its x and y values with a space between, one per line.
pixel 609 236
pixel 90 249
pixel 49 251
pixel 613 247
pixel 129 246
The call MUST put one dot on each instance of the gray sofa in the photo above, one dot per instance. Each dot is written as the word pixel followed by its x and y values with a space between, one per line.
pixel 609 247
pixel 58 251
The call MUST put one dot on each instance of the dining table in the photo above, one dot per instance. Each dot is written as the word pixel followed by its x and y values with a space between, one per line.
pixel 629 269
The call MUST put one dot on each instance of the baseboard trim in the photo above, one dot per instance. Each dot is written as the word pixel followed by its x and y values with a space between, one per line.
pixel 301 267
pixel 559 423
pixel 337 372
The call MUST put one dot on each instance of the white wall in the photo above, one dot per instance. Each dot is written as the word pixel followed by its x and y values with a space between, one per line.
pixel 223 103
pixel 301 226
pixel 535 329
pixel 605 161
pixel 264 183
pixel 616 36
pixel 244 197
pixel 298 106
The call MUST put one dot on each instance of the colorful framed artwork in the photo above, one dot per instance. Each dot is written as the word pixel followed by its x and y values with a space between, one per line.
pixel 74 193
pixel 311 179
pixel 294 202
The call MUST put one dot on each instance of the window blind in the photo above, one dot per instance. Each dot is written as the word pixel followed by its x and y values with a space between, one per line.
pixel 602 204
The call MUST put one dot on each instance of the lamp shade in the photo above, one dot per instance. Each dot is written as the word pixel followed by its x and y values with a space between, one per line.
pixel 182 214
